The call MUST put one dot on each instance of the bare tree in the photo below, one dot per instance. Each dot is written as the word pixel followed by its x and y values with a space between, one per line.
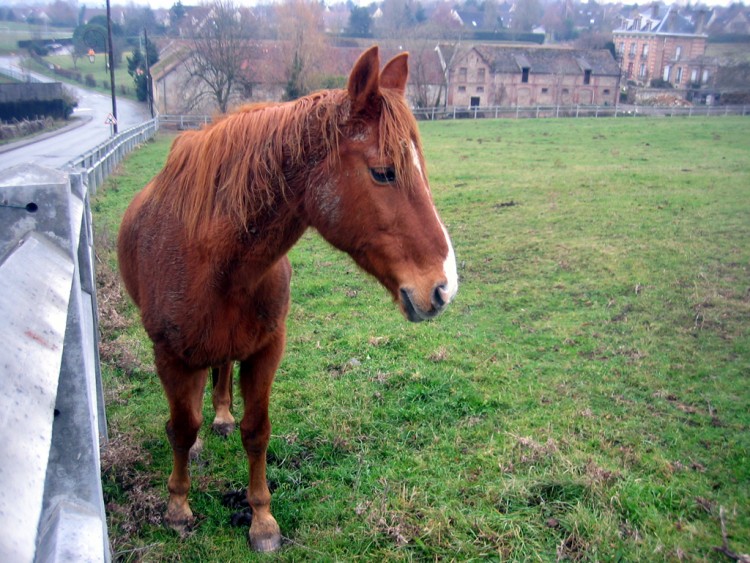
pixel 302 31
pixel 219 49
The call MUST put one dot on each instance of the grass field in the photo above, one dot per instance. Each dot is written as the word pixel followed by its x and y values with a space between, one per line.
pixel 586 397
pixel 13 32
pixel 97 70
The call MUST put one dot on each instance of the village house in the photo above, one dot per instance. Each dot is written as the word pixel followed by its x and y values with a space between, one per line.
pixel 653 48
pixel 522 76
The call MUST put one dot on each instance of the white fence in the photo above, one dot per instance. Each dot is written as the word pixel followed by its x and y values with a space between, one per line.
pixel 182 122
pixel 52 417
pixel 499 112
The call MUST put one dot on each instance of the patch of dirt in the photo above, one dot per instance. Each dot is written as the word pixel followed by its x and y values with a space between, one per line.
pixel 573 548
pixel 129 496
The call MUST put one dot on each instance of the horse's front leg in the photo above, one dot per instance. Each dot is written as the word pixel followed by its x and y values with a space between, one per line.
pixel 184 391
pixel 256 377
pixel 221 377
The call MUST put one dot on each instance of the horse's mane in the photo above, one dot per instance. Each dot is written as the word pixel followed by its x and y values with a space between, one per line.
pixel 238 165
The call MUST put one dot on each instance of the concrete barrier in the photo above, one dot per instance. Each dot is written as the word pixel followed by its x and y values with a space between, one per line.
pixel 51 402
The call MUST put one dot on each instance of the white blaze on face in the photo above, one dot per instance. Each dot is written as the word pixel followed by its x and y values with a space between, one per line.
pixel 449 265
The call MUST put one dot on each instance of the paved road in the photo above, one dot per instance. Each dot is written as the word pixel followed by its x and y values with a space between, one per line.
pixel 93 107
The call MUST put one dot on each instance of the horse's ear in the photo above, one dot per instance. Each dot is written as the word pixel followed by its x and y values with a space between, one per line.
pixel 364 79
pixel 396 73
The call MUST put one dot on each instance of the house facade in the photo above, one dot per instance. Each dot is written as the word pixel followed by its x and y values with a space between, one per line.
pixel 652 47
pixel 522 76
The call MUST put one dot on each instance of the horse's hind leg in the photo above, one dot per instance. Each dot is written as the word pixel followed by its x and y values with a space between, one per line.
pixel 256 376
pixel 184 391
pixel 221 377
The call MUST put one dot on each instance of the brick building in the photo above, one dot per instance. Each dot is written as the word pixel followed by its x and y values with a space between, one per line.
pixel 669 47
pixel 501 75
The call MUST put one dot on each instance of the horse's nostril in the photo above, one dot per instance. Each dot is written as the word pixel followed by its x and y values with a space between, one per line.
pixel 439 299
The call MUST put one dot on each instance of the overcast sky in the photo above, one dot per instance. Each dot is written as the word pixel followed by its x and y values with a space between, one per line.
pixel 169 3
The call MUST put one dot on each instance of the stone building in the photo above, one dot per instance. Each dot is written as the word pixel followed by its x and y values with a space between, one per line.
pixel 502 75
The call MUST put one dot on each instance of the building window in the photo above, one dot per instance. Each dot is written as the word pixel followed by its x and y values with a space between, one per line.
pixel 665 75
pixel 545 90
pixel 694 76
pixel 480 74
pixel 587 77
pixel 462 74
pixel 462 89
pixel 678 78
pixel 525 74
pixel 621 48
pixel 704 78
pixel 645 50
pixel 677 53
pixel 633 48
pixel 606 91
pixel 565 91
pixel 642 71
pixel 480 89
pixel 475 101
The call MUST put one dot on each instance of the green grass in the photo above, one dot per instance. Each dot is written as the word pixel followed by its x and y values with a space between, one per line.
pixel 123 81
pixel 13 32
pixel 585 397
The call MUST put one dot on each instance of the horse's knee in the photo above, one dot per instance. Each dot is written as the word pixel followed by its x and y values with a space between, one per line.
pixel 183 432
pixel 255 434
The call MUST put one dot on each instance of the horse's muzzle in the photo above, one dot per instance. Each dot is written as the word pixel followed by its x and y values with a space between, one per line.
pixel 439 300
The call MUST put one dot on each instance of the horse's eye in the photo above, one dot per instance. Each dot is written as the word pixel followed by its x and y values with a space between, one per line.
pixel 383 174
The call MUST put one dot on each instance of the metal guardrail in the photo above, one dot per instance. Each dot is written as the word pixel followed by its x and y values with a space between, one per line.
pixel 52 507
pixel 100 161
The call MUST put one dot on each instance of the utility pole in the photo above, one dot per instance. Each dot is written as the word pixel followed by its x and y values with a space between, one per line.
pixel 149 88
pixel 111 67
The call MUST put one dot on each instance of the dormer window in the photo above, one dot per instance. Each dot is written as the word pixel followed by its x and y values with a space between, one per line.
pixel 587 77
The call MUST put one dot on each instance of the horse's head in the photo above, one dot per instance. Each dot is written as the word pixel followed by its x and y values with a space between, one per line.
pixel 375 201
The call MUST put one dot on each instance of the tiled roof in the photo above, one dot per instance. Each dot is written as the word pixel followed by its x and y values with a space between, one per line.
pixel 511 59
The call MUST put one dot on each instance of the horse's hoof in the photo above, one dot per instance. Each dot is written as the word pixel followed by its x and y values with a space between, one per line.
pixel 267 538
pixel 180 523
pixel 264 545
pixel 195 451
pixel 223 429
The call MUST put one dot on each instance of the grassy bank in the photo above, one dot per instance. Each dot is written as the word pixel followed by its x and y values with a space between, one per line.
pixel 585 398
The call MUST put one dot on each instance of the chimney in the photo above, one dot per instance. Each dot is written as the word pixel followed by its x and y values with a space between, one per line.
pixel 671 19
pixel 700 22
pixel 655 11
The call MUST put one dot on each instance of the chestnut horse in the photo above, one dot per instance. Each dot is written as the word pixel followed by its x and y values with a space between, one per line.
pixel 202 249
